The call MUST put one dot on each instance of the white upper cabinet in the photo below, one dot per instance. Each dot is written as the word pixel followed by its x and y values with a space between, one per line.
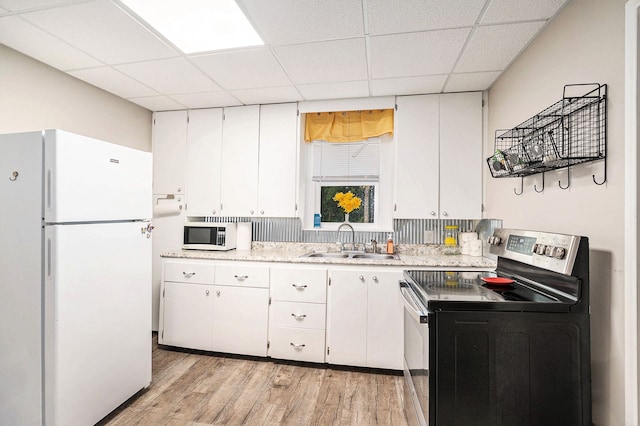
pixel 417 157
pixel 239 177
pixel 439 156
pixel 204 161
pixel 169 152
pixel 461 155
pixel 277 168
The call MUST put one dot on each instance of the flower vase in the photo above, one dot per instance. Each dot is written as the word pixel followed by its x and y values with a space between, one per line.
pixel 346 217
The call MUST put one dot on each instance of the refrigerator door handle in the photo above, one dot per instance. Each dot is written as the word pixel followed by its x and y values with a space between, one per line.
pixel 49 257
pixel 48 189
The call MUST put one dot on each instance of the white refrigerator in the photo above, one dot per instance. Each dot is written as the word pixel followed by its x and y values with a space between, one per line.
pixel 75 286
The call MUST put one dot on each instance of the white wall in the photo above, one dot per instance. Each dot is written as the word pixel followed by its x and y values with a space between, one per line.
pixel 34 96
pixel 584 44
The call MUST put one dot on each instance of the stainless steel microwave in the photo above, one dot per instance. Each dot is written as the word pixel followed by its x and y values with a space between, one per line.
pixel 209 236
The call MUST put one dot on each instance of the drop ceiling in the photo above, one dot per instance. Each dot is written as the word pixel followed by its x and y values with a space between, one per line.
pixel 313 49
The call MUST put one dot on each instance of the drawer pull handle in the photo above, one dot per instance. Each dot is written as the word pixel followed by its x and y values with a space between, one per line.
pixel 299 287
pixel 241 277
pixel 188 274
pixel 299 317
pixel 298 347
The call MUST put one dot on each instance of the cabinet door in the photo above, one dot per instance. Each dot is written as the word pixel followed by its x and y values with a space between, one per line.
pixel 169 151
pixel 347 318
pixel 277 161
pixel 187 315
pixel 204 158
pixel 240 320
pixel 461 156
pixel 239 178
pixel 417 174
pixel 385 326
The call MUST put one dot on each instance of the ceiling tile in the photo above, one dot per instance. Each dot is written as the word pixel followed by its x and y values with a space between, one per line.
pixel 268 95
pixel 302 21
pixel 157 103
pixel 103 30
pixel 494 47
pixel 170 76
pixel 325 62
pixel 408 85
pixel 32 41
pixel 404 16
pixel 347 89
pixel 113 81
pixel 471 81
pixel 244 69
pixel 206 99
pixel 500 11
pixel 19 5
pixel 415 54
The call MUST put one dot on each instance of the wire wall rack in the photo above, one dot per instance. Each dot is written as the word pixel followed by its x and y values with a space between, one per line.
pixel 569 132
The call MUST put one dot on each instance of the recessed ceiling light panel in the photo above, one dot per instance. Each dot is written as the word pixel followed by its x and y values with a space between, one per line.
pixel 198 25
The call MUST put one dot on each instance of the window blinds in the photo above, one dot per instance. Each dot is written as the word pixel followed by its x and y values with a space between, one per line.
pixel 346 162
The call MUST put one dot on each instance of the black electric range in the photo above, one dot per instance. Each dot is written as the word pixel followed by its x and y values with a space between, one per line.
pixel 515 351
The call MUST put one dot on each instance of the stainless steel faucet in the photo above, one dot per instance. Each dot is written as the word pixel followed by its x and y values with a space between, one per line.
pixel 353 235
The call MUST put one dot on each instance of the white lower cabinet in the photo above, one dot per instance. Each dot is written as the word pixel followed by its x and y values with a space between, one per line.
pixel 365 318
pixel 226 312
pixel 297 316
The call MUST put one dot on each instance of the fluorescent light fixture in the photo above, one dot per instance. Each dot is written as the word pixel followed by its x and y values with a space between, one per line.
pixel 198 25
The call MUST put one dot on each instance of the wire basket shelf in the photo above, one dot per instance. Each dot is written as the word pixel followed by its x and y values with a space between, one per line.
pixel 569 132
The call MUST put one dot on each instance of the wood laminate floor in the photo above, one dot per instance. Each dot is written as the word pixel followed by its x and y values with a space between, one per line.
pixel 196 389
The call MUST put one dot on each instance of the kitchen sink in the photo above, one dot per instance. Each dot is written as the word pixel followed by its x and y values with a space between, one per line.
pixel 327 255
pixel 352 255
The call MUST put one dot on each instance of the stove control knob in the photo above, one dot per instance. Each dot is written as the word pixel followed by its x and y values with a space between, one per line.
pixel 559 252
pixel 548 250
pixel 539 248
pixel 494 241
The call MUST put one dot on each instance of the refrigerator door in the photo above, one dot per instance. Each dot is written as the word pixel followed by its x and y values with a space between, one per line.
pixel 87 180
pixel 97 319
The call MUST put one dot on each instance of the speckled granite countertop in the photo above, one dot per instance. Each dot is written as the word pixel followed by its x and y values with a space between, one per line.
pixel 430 256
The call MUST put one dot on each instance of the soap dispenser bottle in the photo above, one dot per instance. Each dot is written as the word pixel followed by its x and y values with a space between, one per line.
pixel 390 244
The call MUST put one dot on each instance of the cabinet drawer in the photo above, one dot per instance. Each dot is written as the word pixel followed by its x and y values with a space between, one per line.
pixel 299 284
pixel 187 272
pixel 298 344
pixel 297 314
pixel 242 275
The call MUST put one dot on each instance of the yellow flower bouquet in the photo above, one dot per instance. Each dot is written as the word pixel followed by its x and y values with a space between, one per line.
pixel 347 202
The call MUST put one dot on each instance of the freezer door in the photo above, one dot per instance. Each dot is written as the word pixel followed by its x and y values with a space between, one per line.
pixel 97 319
pixel 87 180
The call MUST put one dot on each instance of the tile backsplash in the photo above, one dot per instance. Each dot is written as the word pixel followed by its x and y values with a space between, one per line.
pixel 407 231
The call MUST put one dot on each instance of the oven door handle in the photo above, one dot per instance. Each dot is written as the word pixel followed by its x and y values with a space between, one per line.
pixel 417 310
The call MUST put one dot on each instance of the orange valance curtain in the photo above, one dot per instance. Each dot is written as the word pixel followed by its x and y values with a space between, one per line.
pixel 348 126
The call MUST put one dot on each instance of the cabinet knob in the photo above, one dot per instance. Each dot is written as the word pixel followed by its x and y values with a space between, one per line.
pixel 374 278
pixel 213 211
pixel 251 212
pixel 261 211
pixel 179 189
pixel 218 293
pixel 206 292
pixel 361 278
pixel 433 213
pixel 188 274
pixel 241 277
pixel 445 214
pixel 299 287
pixel 297 346
pixel 299 317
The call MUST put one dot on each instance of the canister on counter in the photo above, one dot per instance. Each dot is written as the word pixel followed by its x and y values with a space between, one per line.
pixel 451 240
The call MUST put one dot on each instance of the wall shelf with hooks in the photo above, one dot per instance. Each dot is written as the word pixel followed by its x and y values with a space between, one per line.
pixel 569 132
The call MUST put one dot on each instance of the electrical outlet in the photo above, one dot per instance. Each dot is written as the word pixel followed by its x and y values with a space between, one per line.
pixel 428 237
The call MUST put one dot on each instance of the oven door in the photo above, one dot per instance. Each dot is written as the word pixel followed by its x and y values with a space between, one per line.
pixel 416 355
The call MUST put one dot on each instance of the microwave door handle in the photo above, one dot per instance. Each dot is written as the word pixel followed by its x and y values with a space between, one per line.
pixel 412 305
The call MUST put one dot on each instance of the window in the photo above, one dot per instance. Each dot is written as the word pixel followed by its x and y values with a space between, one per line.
pixel 331 212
